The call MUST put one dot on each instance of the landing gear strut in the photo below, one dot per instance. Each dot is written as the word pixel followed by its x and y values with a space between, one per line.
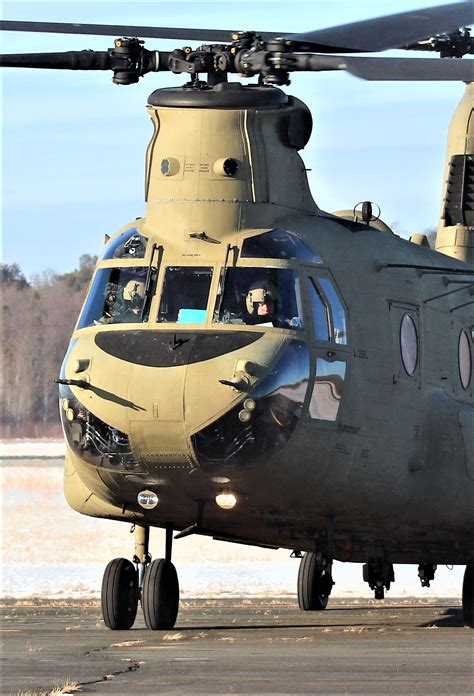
pixel 468 595
pixel 155 582
pixel 379 575
pixel 314 582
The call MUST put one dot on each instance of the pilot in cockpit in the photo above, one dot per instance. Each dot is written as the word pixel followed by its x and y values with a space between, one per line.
pixel 134 297
pixel 263 306
pixel 261 302
pixel 123 305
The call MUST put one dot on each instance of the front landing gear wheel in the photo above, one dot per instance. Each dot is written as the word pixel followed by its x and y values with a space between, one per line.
pixel 160 595
pixel 119 594
pixel 468 595
pixel 314 584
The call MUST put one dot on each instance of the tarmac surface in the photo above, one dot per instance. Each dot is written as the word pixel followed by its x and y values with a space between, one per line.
pixel 246 646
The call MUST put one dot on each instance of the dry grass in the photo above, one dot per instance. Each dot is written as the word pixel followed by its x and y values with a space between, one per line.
pixel 31 648
pixel 173 636
pixel 356 629
pixel 66 688
pixel 126 644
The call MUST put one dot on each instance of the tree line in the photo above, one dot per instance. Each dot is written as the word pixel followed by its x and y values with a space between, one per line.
pixel 37 318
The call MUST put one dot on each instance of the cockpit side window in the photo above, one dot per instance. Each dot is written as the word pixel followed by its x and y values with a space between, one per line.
pixel 260 296
pixel 329 324
pixel 185 295
pixel 320 313
pixel 329 314
pixel 128 245
pixel 117 296
pixel 278 244
pixel 338 314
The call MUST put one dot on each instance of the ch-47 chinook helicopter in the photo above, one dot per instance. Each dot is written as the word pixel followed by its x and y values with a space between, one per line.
pixel 249 367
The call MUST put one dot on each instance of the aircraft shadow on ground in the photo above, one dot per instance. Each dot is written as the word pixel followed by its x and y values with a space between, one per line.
pixel 261 627
pixel 452 618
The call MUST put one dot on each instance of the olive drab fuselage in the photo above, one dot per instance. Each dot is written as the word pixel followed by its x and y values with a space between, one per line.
pixel 346 426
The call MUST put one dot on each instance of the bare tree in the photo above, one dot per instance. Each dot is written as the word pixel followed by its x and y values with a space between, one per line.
pixel 37 322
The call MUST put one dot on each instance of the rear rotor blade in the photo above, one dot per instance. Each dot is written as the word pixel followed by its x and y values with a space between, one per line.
pixel 388 69
pixel 127 30
pixel 382 33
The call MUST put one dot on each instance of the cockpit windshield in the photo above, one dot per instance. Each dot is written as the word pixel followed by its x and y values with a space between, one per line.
pixel 263 296
pixel 117 296
pixel 185 295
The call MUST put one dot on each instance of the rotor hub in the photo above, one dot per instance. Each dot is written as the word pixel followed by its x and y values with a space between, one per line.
pixel 225 95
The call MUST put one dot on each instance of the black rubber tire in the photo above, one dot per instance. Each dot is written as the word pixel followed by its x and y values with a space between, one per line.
pixel 313 582
pixel 119 595
pixel 160 595
pixel 379 593
pixel 468 595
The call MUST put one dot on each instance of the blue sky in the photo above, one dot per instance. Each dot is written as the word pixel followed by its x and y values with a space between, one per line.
pixel 74 143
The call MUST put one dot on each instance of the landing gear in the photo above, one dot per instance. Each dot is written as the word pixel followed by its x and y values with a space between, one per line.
pixel 119 594
pixel 379 575
pixel 314 582
pixel 160 595
pixel 426 573
pixel 468 595
pixel 156 582
pixel 160 592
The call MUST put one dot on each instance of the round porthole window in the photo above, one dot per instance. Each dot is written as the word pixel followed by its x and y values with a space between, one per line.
pixel 465 359
pixel 409 344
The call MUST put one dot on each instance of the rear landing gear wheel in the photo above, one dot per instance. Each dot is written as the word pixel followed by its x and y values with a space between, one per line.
pixel 119 595
pixel 314 583
pixel 468 595
pixel 379 574
pixel 160 595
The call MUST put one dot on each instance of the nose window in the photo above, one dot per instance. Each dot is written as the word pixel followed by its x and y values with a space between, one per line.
pixel 327 389
pixel 185 295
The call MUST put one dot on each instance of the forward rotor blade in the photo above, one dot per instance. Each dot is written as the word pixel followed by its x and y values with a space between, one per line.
pixel 392 31
pixel 67 60
pixel 386 69
pixel 382 33
pixel 224 35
